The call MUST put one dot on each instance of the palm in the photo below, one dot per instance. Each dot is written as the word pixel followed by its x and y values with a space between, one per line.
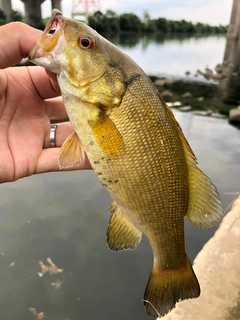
pixel 29 102
pixel 24 124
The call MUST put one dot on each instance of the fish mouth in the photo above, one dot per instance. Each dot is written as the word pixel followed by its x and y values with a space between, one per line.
pixel 55 22
pixel 48 45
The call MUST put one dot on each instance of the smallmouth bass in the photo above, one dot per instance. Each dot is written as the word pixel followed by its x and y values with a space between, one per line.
pixel 137 150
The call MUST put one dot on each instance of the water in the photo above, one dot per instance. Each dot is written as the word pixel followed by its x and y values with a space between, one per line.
pixel 64 216
pixel 169 55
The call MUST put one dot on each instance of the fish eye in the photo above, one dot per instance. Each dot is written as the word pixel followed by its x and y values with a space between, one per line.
pixel 86 42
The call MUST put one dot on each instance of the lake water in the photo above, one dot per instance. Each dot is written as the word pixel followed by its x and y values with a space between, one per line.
pixel 173 56
pixel 64 216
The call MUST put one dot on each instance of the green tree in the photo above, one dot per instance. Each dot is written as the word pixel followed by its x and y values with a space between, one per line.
pixel 3 16
pixel 16 16
pixel 130 22
pixel 36 22
pixel 98 22
pixel 163 25
pixel 113 20
pixel 149 24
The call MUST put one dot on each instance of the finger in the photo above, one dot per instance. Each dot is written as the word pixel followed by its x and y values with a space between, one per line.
pixel 46 87
pixel 56 110
pixel 16 40
pixel 51 75
pixel 48 162
pixel 61 133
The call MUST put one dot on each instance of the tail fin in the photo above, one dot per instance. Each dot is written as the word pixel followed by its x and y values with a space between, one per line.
pixel 167 286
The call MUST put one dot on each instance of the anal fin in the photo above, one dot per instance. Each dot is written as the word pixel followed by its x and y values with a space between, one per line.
pixel 121 233
pixel 72 153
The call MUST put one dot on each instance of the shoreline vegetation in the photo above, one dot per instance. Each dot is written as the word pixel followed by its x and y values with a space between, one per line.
pixel 111 22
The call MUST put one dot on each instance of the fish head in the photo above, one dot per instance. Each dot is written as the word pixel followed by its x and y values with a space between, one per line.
pixel 90 75
pixel 71 47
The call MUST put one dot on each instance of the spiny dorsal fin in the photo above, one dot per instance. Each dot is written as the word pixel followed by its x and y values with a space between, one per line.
pixel 204 206
pixel 188 150
pixel 71 153
pixel 121 233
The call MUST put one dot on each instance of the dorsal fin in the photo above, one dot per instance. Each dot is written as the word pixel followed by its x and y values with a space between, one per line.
pixel 204 206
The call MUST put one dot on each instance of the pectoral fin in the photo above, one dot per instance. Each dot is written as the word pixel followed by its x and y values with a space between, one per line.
pixel 107 136
pixel 121 233
pixel 71 153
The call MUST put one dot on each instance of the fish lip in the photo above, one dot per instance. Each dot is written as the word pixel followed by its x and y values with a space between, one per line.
pixel 56 21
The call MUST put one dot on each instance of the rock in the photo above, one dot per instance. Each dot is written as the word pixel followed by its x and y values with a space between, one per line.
pixel 209 113
pixel 177 104
pixel 200 98
pixel 209 71
pixel 217 77
pixel 217 268
pixel 187 95
pixel 159 82
pixel 234 115
pixel 185 108
pixel 168 81
pixel 163 82
pixel 167 93
pixel 174 104
pixel 200 72
pixel 219 68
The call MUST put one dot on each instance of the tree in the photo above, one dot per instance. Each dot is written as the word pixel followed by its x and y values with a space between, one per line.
pixel 16 16
pixel 36 22
pixel 96 21
pixel 162 25
pixel 108 22
pixel 3 16
pixel 130 22
pixel 149 24
pixel 113 20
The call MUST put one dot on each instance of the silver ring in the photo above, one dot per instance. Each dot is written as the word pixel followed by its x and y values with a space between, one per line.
pixel 53 135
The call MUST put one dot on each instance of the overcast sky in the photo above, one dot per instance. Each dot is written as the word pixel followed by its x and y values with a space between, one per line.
pixel 214 12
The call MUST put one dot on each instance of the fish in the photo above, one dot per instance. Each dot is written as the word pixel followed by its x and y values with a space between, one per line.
pixel 137 150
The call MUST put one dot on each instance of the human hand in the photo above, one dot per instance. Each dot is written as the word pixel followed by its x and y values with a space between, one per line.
pixel 29 102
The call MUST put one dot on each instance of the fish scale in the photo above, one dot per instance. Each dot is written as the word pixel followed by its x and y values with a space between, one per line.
pixel 137 150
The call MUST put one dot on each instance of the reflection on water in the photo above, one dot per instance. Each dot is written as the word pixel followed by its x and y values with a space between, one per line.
pixel 64 216
pixel 172 55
